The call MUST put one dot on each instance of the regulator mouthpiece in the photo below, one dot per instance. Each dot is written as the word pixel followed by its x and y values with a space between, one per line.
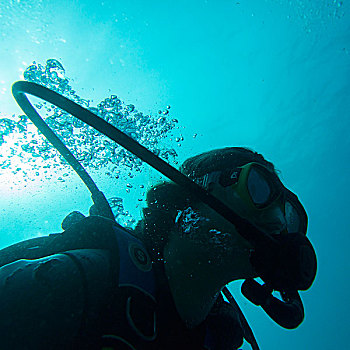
pixel 291 265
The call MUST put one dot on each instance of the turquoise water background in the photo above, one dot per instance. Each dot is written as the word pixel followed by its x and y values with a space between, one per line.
pixel 270 75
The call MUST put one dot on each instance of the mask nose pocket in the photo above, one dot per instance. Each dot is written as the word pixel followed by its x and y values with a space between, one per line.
pixel 280 219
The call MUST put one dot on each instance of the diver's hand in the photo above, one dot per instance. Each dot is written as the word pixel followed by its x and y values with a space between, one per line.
pixel 255 292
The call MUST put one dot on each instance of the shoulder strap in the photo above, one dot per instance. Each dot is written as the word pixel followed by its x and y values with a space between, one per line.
pixel 135 265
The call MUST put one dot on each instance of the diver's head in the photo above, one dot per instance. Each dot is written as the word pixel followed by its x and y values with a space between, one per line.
pixel 249 185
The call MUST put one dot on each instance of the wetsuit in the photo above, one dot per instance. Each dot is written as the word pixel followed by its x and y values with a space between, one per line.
pixel 94 287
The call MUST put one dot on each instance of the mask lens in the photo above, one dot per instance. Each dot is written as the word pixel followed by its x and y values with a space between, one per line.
pixel 258 188
pixel 292 218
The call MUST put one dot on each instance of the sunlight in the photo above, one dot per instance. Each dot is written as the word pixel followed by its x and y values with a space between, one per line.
pixel 17 167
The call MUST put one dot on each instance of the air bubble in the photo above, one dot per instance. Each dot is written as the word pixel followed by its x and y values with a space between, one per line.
pixel 130 108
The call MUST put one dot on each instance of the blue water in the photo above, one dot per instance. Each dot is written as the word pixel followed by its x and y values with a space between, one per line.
pixel 270 75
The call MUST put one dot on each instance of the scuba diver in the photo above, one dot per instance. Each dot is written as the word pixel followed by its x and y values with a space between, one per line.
pixel 99 286
pixel 224 216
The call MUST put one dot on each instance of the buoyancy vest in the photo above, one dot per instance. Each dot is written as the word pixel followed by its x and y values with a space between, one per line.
pixel 144 315
pixel 141 313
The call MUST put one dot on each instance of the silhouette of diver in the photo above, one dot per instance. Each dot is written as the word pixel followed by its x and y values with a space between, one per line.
pixel 225 216
pixel 97 285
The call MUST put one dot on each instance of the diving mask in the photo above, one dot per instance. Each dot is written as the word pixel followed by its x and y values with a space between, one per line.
pixel 259 189
pixel 292 263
